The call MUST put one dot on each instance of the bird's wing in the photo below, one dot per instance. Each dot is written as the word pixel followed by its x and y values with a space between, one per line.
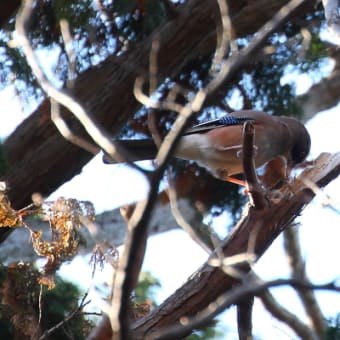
pixel 227 120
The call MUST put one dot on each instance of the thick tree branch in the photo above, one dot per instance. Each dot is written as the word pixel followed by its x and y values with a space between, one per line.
pixel 208 282
pixel 228 299
pixel 7 9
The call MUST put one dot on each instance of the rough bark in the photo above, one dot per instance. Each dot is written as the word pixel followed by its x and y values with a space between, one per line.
pixel 7 9
pixel 208 283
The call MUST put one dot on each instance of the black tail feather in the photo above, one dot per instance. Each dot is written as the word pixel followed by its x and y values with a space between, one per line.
pixel 134 150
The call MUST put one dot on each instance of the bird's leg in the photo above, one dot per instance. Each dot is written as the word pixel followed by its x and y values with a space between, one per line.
pixel 275 173
pixel 235 181
pixel 223 175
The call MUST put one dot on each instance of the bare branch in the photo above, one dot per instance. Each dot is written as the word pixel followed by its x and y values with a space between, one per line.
pixel 244 318
pixel 326 200
pixel 66 132
pixel 284 315
pixel 223 37
pixel 207 284
pixel 297 265
pixel 153 83
pixel 256 193
pixel 66 319
pixel 240 58
pixel 137 229
pixel 71 56
pixel 201 234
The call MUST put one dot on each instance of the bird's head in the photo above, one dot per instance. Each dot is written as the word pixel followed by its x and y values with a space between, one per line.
pixel 300 140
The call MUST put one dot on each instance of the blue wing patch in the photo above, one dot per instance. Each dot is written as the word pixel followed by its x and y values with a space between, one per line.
pixel 232 120
pixel 227 120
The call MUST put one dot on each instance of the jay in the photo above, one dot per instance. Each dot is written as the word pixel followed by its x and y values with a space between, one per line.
pixel 280 143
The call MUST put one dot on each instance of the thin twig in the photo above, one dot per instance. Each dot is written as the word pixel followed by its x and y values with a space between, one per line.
pixel 153 83
pixel 70 52
pixel 284 315
pixel 153 103
pixel 238 59
pixel 200 236
pixel 66 132
pixel 297 265
pixel 68 318
pixel 223 37
pixel 153 65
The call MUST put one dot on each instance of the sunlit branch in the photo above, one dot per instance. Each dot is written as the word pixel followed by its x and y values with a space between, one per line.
pixel 238 59
pixel 202 236
pixel 152 103
pixel 326 201
pixel 66 132
pixel 70 52
pixel 153 83
pixel 223 36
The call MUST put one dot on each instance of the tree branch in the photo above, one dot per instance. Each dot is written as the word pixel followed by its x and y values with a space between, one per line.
pixel 284 315
pixel 179 331
pixel 208 282
pixel 297 265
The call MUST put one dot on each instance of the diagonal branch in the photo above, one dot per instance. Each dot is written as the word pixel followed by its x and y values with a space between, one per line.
pixel 227 299
pixel 208 283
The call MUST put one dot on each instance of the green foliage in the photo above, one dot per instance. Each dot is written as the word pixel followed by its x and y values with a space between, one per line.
pixel 19 292
pixel 333 330
pixel 97 33
pixel 57 304
pixel 269 94
pixel 146 289
pixel 212 332
pixel 147 14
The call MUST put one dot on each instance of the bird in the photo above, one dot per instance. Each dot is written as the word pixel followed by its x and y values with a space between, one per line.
pixel 280 143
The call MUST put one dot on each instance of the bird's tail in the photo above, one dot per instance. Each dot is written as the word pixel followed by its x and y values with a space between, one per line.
pixel 134 150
